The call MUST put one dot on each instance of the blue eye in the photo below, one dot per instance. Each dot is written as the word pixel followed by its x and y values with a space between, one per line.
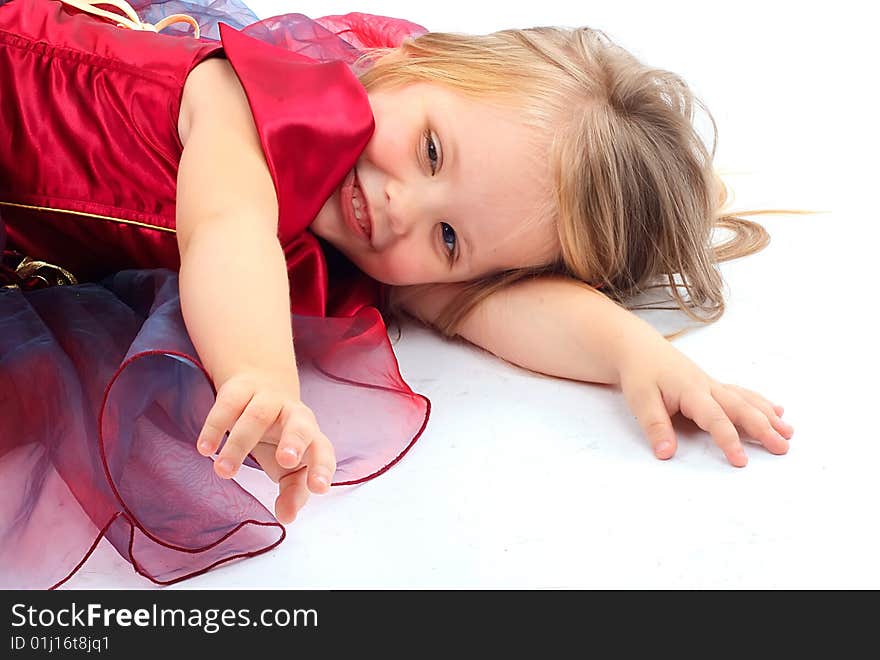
pixel 431 150
pixel 453 250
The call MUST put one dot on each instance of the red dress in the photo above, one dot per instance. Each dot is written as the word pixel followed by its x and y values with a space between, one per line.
pixel 102 394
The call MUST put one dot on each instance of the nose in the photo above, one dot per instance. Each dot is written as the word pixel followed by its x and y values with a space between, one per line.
pixel 407 207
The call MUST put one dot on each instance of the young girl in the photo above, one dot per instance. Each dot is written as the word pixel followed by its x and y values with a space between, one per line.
pixel 512 189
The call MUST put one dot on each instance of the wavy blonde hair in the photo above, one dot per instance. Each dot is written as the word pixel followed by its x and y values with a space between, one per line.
pixel 636 196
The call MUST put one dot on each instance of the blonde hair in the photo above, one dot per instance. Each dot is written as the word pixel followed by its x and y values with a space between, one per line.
pixel 636 196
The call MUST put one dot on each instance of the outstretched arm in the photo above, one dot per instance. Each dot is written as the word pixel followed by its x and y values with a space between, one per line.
pixel 227 218
pixel 234 294
pixel 564 328
pixel 551 325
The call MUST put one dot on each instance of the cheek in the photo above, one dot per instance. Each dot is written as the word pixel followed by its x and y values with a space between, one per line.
pixel 387 147
pixel 404 265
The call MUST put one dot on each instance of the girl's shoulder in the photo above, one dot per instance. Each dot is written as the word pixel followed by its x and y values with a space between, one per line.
pixel 211 90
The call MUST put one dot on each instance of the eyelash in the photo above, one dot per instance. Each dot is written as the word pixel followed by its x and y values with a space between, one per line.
pixel 429 147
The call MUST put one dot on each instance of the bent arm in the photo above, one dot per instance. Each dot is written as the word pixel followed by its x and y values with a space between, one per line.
pixel 233 277
pixel 551 325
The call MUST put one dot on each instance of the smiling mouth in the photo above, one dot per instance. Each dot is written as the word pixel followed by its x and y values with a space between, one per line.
pixel 359 206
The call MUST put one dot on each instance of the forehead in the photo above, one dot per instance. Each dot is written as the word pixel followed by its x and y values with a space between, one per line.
pixel 498 176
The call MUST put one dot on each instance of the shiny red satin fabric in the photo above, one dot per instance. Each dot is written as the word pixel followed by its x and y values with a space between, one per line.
pixel 102 394
pixel 101 103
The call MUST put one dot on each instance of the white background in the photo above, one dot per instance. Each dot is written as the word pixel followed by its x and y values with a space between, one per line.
pixel 526 481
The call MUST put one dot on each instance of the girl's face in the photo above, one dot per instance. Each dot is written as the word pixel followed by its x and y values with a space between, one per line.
pixel 453 188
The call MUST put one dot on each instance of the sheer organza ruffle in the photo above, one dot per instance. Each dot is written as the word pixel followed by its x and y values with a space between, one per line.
pixel 101 399
pixel 338 37
pixel 102 394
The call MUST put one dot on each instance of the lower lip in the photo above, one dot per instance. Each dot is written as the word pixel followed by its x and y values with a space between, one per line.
pixel 346 193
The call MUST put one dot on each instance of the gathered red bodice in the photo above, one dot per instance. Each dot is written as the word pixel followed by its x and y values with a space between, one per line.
pixel 91 110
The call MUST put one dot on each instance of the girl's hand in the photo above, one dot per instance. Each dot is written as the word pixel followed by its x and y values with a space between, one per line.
pixel 661 381
pixel 293 489
pixel 264 406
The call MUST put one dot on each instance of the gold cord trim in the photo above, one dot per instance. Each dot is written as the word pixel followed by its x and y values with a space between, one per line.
pixel 91 215
pixel 31 268
pixel 133 21
pixel 35 273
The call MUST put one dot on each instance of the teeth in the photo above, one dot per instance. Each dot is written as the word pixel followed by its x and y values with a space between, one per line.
pixel 359 206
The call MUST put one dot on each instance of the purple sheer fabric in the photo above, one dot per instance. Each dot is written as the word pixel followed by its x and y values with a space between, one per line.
pixel 102 394
pixel 107 396
pixel 207 13
pixel 339 37
pixel 93 456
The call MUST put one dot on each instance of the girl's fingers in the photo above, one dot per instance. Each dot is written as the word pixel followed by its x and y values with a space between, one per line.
pixel 650 411
pixel 293 491
pixel 321 460
pixel 299 428
pixel 259 415
pixel 264 454
pixel 710 416
pixel 231 401
pixel 292 495
pixel 750 418
pixel 772 411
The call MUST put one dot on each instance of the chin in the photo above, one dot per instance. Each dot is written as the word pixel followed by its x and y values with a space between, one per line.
pixel 380 275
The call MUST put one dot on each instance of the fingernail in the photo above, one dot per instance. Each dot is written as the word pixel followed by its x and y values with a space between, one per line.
pixel 740 456
pixel 203 447
pixel 226 466
pixel 663 447
pixel 321 479
pixel 290 454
